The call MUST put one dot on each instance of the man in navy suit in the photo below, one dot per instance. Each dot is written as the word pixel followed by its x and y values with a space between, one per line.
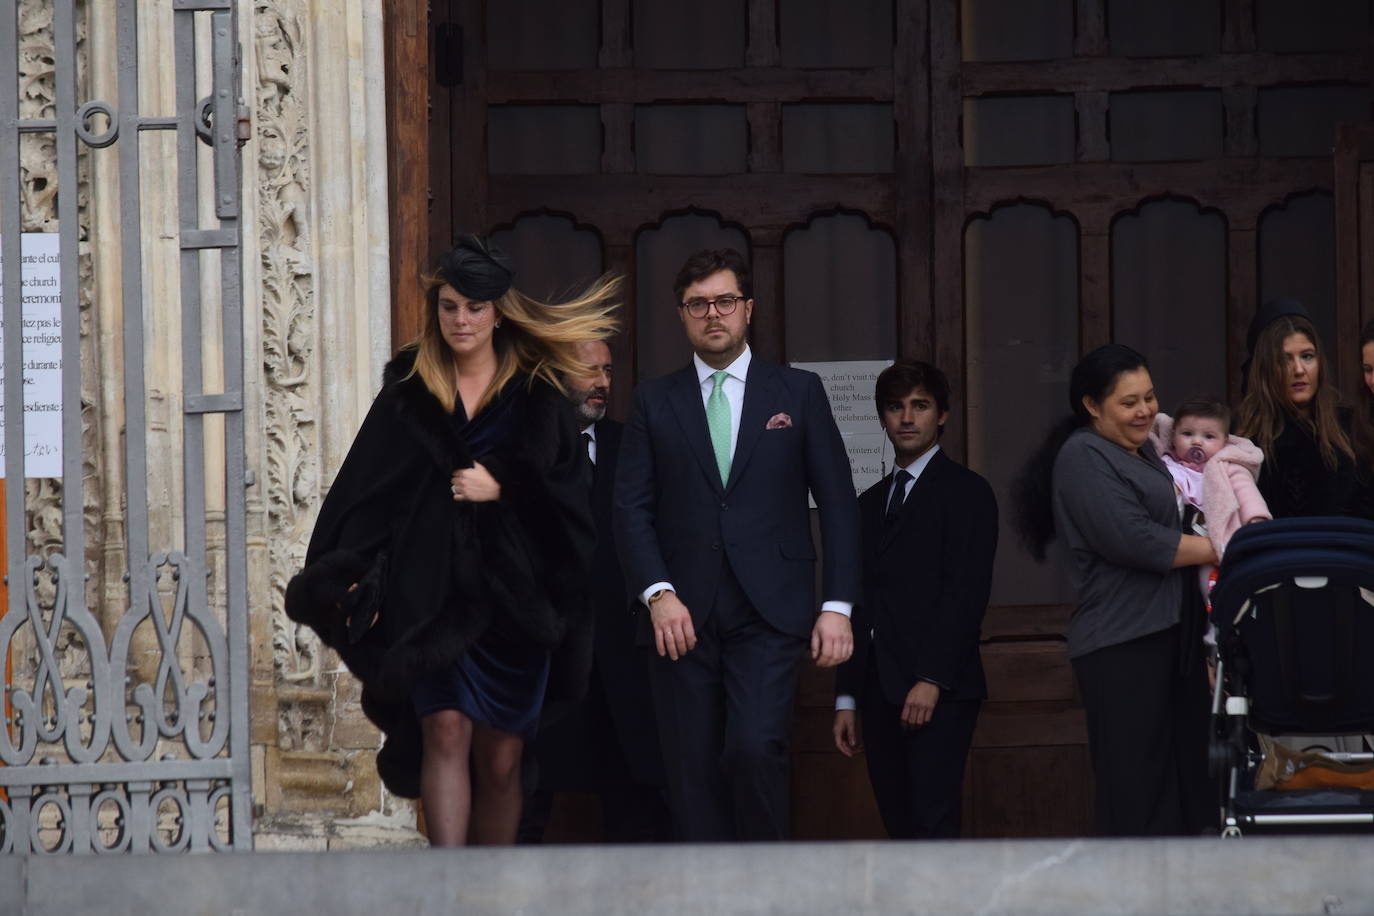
pixel 929 538
pixel 714 532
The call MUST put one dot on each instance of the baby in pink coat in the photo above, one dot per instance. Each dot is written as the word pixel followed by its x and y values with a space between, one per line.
pixel 1213 471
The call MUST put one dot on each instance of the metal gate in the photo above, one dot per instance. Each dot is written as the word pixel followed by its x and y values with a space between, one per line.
pixel 126 704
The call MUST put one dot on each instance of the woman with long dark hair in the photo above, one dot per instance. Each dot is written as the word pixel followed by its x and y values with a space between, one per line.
pixel 1292 411
pixel 449 562
pixel 1096 485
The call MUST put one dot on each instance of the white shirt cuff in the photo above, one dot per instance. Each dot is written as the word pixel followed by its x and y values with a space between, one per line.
pixel 644 595
pixel 839 607
pixel 845 701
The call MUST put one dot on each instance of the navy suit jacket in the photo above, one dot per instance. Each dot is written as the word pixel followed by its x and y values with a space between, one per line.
pixel 926 583
pixel 675 521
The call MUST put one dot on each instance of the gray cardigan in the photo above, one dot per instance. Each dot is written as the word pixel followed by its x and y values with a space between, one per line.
pixel 1117 515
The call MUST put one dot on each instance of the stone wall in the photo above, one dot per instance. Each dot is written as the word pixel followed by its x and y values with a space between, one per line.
pixel 317 273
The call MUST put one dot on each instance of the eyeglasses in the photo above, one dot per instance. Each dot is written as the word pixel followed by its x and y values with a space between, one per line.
pixel 725 305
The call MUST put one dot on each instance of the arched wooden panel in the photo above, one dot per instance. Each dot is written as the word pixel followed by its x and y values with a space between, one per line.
pixel 554 257
pixel 1297 256
pixel 659 254
pixel 1021 309
pixel 1169 296
pixel 839 290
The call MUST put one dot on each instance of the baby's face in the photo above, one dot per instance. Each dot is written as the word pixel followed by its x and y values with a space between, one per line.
pixel 1206 434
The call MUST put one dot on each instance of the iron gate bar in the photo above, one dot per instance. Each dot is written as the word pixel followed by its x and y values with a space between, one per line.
pixel 75 773
pixel 236 460
pixel 192 383
pixel 226 109
pixel 196 403
pixel 192 378
pixel 70 565
pixel 131 245
pixel 69 255
pixel 212 403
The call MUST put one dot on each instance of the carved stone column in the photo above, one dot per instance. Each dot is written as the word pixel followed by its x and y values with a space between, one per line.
pixel 316 278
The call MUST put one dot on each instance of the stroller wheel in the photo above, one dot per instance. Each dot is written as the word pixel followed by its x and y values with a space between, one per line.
pixel 1221 756
pixel 1231 832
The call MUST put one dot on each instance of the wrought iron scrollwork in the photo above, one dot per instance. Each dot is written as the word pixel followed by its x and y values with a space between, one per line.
pixel 83 120
pixel 30 719
pixel 173 705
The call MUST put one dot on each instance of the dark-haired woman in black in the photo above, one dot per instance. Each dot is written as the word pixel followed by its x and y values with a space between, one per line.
pixel 1135 636
pixel 1292 411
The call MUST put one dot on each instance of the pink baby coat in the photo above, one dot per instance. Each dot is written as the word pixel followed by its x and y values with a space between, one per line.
pixel 1230 497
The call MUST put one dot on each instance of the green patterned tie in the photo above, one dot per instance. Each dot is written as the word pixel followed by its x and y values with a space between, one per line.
pixel 718 422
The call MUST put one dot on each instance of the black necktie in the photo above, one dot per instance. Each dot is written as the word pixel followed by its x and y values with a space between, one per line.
pixel 894 504
pixel 588 466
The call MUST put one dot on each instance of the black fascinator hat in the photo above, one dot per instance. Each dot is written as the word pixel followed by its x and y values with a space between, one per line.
pixel 477 269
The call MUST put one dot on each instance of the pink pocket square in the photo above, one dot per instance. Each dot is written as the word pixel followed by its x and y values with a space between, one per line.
pixel 779 421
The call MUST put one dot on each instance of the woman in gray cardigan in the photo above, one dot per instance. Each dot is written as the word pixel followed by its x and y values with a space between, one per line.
pixel 1135 636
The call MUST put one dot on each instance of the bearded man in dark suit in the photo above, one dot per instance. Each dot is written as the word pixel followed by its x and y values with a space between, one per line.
pixel 929 538
pixel 714 531
pixel 608 744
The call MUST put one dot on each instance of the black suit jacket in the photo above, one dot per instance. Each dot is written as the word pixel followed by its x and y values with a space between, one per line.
pixel 622 667
pixel 926 584
pixel 572 756
pixel 676 522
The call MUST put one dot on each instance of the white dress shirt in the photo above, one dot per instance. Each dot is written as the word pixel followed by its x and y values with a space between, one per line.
pixel 733 387
pixel 845 700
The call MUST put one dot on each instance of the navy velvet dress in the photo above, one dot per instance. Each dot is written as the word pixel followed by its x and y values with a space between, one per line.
pixel 501 680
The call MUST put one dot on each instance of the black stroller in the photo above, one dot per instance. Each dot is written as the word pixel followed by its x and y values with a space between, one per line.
pixel 1294 613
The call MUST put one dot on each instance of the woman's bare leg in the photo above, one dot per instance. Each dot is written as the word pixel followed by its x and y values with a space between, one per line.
pixel 496 786
pixel 445 780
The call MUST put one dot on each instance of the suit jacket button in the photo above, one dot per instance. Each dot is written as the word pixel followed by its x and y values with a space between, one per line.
pixel 715 546
pixel 724 506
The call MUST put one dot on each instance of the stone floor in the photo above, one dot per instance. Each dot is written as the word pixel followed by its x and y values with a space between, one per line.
pixel 1253 875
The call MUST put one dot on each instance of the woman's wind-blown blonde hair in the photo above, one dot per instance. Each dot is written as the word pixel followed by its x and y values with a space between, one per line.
pixel 536 338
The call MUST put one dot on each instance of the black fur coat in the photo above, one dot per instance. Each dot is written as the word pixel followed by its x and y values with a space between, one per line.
pixel 438 573
pixel 1295 481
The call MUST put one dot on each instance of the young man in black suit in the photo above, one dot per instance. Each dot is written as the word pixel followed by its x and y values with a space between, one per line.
pixel 608 744
pixel 929 538
pixel 714 532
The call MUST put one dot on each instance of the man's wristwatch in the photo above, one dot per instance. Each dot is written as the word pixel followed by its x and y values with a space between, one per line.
pixel 657 595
